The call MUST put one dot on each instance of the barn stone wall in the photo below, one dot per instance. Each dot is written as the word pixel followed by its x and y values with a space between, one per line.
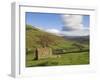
pixel 43 53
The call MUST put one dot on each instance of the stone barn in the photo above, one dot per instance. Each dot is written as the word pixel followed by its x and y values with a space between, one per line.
pixel 42 53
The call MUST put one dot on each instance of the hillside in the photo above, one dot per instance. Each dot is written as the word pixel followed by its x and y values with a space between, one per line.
pixel 33 35
pixel 80 39
pixel 71 52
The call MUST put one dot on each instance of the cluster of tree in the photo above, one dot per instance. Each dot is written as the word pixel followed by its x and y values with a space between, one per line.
pixel 45 40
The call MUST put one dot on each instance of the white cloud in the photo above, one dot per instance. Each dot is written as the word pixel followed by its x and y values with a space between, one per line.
pixel 73 22
pixel 84 32
pixel 75 33
pixel 52 30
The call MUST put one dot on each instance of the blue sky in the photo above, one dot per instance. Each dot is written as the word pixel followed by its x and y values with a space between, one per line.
pixel 45 20
pixel 86 20
pixel 50 20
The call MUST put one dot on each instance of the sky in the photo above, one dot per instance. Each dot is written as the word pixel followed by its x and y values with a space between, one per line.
pixel 60 24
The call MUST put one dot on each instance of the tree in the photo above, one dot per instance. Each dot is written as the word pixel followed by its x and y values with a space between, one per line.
pixel 45 40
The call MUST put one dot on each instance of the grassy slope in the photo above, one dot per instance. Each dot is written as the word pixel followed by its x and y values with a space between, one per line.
pixel 32 37
pixel 68 59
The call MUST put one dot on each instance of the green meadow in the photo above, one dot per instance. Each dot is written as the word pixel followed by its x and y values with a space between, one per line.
pixel 72 52
pixel 65 59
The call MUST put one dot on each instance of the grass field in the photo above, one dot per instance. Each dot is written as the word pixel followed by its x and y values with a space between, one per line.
pixel 74 52
pixel 65 59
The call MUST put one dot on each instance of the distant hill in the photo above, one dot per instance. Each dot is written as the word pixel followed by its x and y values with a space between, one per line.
pixel 33 35
pixel 80 39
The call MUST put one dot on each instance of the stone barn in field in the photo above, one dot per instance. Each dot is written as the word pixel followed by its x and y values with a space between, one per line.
pixel 42 53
